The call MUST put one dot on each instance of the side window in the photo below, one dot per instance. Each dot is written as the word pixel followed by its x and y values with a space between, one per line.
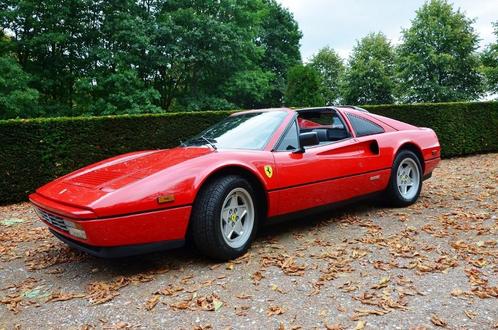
pixel 328 125
pixel 337 122
pixel 320 120
pixel 290 141
pixel 363 126
pixel 323 118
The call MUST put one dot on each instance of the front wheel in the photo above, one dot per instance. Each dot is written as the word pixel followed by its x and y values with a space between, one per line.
pixel 406 179
pixel 224 218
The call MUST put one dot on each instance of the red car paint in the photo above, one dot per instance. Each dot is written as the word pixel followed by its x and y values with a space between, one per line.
pixel 115 201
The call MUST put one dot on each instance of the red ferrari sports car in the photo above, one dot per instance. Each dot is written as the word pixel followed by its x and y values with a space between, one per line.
pixel 218 187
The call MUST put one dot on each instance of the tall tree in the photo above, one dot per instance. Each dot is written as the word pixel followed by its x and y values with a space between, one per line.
pixel 17 99
pixel 217 41
pixel 369 77
pixel 115 79
pixel 117 56
pixel 250 89
pixel 437 60
pixel 303 87
pixel 46 39
pixel 330 66
pixel 279 38
pixel 489 60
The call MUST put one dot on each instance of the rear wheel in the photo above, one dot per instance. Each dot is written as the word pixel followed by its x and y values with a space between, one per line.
pixel 406 179
pixel 224 218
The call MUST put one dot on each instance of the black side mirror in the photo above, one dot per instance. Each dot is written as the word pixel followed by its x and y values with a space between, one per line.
pixel 307 139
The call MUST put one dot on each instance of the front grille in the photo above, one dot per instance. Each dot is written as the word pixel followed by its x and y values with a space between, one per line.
pixel 52 219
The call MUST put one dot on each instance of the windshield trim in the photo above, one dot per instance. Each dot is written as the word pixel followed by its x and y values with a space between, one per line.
pixel 286 129
pixel 263 147
pixel 270 135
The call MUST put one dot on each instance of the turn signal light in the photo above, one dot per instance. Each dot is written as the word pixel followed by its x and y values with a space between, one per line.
pixel 75 229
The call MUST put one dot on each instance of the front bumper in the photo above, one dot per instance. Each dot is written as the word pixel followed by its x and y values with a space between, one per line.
pixel 119 251
pixel 122 235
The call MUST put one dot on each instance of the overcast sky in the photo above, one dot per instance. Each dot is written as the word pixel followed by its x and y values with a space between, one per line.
pixel 339 23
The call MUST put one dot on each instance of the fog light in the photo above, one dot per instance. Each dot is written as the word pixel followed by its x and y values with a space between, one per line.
pixel 75 229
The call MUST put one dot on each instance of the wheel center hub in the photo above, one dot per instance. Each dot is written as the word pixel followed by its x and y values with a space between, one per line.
pixel 405 179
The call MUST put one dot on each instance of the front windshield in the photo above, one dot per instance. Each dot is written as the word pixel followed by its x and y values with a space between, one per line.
pixel 250 130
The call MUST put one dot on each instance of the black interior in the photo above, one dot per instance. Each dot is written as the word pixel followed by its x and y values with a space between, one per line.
pixel 308 139
pixel 329 125
pixel 328 134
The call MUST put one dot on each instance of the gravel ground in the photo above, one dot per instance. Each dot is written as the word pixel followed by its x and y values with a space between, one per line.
pixel 431 265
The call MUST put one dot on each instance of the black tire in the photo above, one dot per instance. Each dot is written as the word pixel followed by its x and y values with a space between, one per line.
pixel 393 196
pixel 205 228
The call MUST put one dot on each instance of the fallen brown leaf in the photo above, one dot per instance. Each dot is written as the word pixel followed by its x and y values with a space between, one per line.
pixel 436 320
pixel 102 292
pixel 60 296
pixel 360 325
pixel 470 314
pixel 274 310
pixel 152 302
pixel 383 282
pixel 335 326
pixel 257 277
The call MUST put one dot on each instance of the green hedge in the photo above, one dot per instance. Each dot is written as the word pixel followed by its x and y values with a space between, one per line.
pixel 462 128
pixel 35 151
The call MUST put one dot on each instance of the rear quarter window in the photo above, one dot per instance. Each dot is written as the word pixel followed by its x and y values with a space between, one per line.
pixel 363 126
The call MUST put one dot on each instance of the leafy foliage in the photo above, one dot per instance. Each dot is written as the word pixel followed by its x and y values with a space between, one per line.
pixel 369 76
pixel 489 60
pixel 113 77
pixel 35 151
pixel 118 92
pixel 303 87
pixel 16 97
pixel 250 89
pixel 462 128
pixel 279 38
pixel 330 67
pixel 47 40
pixel 96 57
pixel 190 67
pixel 437 61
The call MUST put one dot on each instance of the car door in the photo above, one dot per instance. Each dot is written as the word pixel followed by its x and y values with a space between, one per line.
pixel 326 173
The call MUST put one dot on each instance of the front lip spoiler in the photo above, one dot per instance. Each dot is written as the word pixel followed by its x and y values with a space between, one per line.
pixel 119 251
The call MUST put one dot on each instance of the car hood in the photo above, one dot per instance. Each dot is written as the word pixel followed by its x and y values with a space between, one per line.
pixel 86 187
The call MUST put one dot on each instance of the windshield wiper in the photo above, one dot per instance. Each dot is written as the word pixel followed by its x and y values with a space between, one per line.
pixel 209 142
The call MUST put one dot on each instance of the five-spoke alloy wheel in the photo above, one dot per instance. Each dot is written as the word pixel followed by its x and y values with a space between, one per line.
pixel 224 217
pixel 237 217
pixel 406 179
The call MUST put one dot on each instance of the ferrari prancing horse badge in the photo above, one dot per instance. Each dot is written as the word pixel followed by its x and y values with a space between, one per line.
pixel 268 171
